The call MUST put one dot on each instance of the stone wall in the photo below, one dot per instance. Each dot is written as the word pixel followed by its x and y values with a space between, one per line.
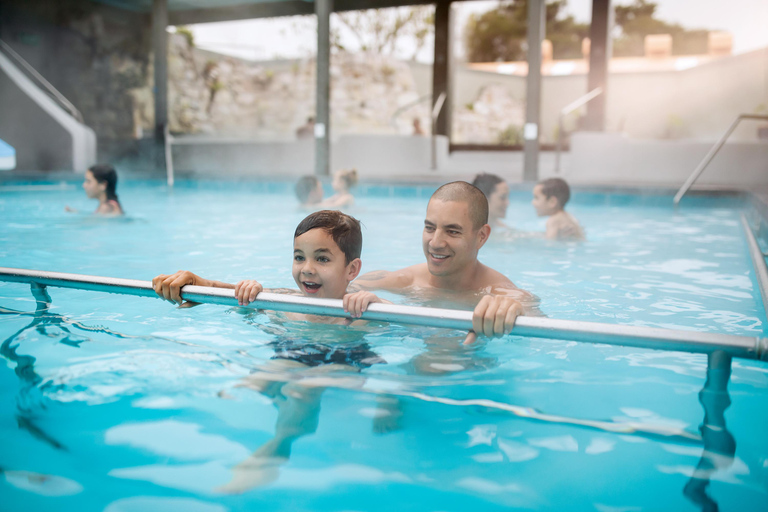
pixel 218 95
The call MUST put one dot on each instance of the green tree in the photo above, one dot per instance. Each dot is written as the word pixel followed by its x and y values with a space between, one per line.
pixel 499 34
pixel 638 20
pixel 380 30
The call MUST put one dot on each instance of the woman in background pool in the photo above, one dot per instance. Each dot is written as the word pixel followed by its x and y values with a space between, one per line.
pixel 343 180
pixel 101 183
pixel 496 191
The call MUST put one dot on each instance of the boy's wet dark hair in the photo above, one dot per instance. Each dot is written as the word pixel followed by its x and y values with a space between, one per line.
pixel 305 186
pixel 105 173
pixel 461 191
pixel 556 187
pixel 486 182
pixel 344 230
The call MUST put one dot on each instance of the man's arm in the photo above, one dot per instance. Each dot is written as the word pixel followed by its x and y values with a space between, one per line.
pixel 503 302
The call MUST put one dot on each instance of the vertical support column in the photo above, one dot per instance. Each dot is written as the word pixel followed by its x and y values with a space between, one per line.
pixel 599 56
pixel 536 32
pixel 160 51
pixel 441 68
pixel 323 10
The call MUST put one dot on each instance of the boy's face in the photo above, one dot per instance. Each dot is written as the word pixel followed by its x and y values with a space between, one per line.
pixel 319 266
pixel 498 202
pixel 450 241
pixel 544 205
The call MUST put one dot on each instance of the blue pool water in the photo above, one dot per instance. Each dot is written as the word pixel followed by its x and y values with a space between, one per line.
pixel 121 403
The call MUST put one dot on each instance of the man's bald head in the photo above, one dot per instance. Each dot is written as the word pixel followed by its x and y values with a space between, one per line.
pixel 463 192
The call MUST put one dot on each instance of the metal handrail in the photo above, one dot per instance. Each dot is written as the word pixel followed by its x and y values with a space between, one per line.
pixel 52 91
pixel 594 93
pixel 409 105
pixel 712 152
pixel 169 171
pixel 758 261
pixel 438 106
pixel 537 327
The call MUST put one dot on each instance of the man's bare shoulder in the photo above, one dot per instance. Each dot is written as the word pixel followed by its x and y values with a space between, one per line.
pixel 387 280
pixel 490 278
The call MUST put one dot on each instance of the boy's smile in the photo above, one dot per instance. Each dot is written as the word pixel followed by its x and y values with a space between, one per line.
pixel 319 265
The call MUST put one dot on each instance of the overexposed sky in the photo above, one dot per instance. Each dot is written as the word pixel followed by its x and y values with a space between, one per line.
pixel 295 37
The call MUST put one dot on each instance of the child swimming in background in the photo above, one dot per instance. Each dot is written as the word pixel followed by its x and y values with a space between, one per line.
pixel 496 191
pixel 309 191
pixel 101 183
pixel 343 180
pixel 549 199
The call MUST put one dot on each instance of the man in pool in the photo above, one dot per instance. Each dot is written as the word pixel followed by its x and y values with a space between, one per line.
pixel 455 229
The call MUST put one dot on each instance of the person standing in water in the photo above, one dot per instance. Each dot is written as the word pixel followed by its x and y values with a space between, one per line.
pixel 343 180
pixel 101 183
pixel 496 191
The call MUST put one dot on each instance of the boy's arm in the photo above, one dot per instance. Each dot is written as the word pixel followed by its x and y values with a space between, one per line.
pixel 169 286
pixel 357 302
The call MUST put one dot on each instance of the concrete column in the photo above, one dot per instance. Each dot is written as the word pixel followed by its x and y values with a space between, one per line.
pixel 441 69
pixel 323 10
pixel 160 50
pixel 599 56
pixel 536 33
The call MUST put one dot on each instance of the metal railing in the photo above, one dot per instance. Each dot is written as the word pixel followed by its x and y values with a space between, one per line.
pixel 537 327
pixel 435 113
pixel 712 152
pixel 169 171
pixel 758 261
pixel 50 89
pixel 594 93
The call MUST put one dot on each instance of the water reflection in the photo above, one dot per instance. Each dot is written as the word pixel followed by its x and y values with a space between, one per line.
pixel 719 444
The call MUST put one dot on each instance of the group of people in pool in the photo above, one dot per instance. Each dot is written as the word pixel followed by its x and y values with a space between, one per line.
pixel 549 199
pixel 327 247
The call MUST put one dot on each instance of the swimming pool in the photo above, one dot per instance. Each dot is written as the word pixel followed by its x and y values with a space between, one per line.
pixel 119 403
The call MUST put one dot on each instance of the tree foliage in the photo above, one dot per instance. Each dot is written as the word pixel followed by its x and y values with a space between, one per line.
pixel 382 30
pixel 638 20
pixel 499 34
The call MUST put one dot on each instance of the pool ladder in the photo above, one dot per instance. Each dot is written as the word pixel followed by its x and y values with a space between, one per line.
pixel 712 152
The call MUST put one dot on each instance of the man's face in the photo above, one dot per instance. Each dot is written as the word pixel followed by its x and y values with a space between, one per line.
pixel 449 239
pixel 544 205
pixel 498 202
pixel 92 187
pixel 319 266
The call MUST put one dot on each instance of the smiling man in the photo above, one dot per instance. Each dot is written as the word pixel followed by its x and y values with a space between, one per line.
pixel 455 229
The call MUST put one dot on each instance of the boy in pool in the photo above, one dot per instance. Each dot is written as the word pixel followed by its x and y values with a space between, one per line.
pixel 549 199
pixel 326 258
